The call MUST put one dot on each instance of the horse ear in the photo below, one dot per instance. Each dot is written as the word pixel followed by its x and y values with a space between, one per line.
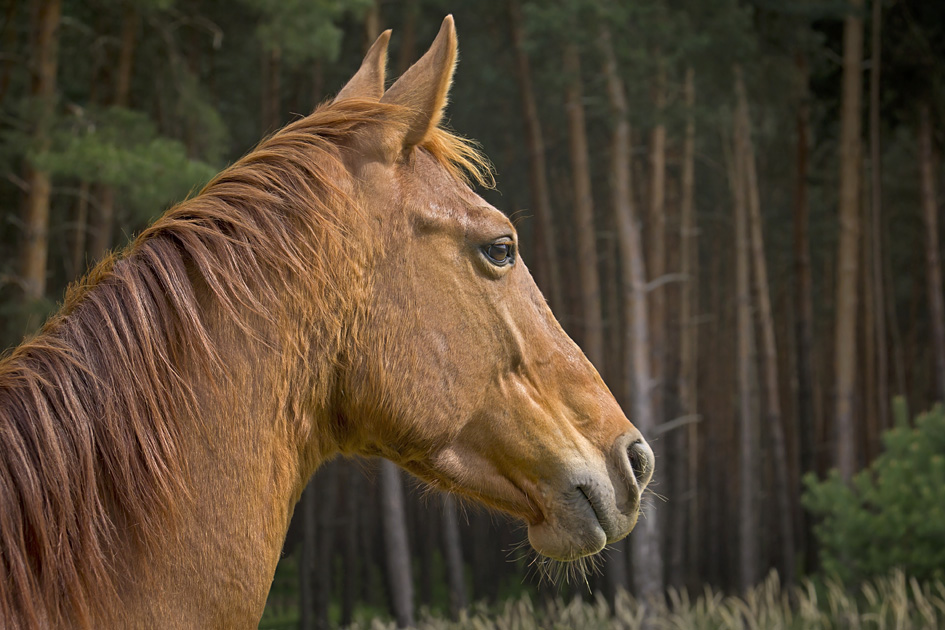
pixel 423 88
pixel 368 81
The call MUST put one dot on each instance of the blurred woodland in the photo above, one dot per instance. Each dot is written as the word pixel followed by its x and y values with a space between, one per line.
pixel 732 205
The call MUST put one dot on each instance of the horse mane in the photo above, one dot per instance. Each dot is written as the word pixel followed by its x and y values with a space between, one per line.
pixel 94 409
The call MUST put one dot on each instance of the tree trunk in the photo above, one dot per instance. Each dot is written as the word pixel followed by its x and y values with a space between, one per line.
pixel 80 219
pixel 807 410
pixel 318 82
pixel 393 519
pixel 656 239
pixel 129 36
pixel 847 260
pixel 783 488
pixel 933 263
pixel 429 529
pixel 370 542
pixel 271 88
pixel 593 329
pixel 44 51
pixel 323 572
pixel 408 36
pixel 10 38
pixel 870 442
pixel 882 398
pixel 689 331
pixel 103 216
pixel 453 555
pixel 645 539
pixel 372 24
pixel 747 427
pixel 545 266
pixel 308 507
pixel 353 496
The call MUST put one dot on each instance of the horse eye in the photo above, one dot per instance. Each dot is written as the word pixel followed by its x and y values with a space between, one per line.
pixel 500 253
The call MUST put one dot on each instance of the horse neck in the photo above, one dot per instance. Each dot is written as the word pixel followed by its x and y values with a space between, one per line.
pixel 245 471
pixel 256 437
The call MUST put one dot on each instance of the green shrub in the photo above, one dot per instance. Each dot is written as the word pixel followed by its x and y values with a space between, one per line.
pixel 893 514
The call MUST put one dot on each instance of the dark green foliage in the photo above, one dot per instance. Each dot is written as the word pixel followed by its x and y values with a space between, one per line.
pixel 122 148
pixel 304 30
pixel 893 515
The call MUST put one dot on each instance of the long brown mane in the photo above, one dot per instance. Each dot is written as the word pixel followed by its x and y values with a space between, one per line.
pixel 95 408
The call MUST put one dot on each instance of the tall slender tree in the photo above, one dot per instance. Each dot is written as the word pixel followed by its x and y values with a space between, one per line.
pixel 747 423
pixel 876 218
pixel 645 541
pixel 102 218
pixel 933 260
pixel 453 554
pixel 591 311
pixel 396 545
pixel 847 257
pixel 545 267
pixel 783 489
pixel 656 236
pixel 308 512
pixel 808 411
pixel 44 50
pixel 688 307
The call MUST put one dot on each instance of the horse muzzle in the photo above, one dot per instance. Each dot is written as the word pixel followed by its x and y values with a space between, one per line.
pixel 593 506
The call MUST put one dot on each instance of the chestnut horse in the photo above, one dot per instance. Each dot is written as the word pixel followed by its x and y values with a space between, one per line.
pixel 341 289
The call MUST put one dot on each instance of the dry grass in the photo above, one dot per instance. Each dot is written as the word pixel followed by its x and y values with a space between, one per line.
pixel 893 603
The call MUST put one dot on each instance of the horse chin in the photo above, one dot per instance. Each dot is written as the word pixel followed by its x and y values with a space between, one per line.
pixel 581 524
pixel 567 544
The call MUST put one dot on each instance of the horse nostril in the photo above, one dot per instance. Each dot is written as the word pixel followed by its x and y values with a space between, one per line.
pixel 641 462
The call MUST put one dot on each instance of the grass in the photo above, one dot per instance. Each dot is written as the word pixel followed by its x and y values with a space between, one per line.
pixel 892 603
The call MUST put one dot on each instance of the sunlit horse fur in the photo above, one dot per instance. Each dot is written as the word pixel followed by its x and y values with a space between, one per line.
pixel 331 292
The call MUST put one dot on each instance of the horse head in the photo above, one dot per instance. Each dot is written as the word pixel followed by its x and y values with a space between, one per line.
pixel 458 371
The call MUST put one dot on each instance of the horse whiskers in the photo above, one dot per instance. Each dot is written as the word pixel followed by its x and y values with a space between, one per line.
pixel 648 492
pixel 555 572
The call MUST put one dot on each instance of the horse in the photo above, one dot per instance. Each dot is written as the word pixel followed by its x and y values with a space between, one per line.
pixel 341 289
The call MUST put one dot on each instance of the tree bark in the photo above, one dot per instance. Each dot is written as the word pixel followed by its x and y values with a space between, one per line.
pixel 326 486
pixel 545 267
pixel 453 555
pixel 393 519
pixel 593 328
pixel 656 239
pixel 747 426
pixel 408 36
pixel 645 540
pixel 783 488
pixel 372 24
pixel 80 219
pixel 271 89
pixel 870 442
pixel 429 528
pixel 807 410
pixel 933 262
pixel 689 331
pixel 45 52
pixel 353 496
pixel 102 218
pixel 883 398
pixel 847 260
pixel 10 39
pixel 308 506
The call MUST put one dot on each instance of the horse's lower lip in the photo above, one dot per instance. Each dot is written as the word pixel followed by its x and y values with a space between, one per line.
pixel 592 504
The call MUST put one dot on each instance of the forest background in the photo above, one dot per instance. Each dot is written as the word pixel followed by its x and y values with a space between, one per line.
pixel 731 205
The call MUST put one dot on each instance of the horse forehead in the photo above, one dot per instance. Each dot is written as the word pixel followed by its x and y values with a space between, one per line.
pixel 441 197
pixel 471 211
